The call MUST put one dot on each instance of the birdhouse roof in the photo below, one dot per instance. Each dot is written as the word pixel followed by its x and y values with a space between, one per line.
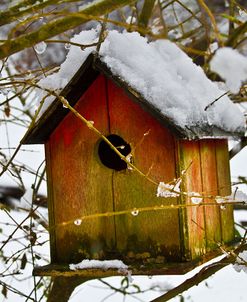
pixel 158 75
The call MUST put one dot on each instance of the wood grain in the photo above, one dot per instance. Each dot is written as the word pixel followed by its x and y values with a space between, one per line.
pixel 210 187
pixel 189 161
pixel 81 184
pixel 153 233
pixel 224 189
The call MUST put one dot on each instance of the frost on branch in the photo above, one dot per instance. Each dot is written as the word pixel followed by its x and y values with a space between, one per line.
pixel 238 196
pixel 195 197
pixel 166 190
pixel 241 262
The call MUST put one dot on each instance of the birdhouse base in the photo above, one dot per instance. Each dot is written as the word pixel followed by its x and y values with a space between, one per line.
pixel 173 268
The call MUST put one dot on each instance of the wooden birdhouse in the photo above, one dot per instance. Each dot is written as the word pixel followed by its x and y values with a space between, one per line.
pixel 88 182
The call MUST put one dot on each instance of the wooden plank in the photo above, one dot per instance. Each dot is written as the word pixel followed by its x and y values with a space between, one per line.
pixel 77 177
pixel 173 268
pixel 224 184
pixel 50 202
pixel 189 161
pixel 210 187
pixel 150 236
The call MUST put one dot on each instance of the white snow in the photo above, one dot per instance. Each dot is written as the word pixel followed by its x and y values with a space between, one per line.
pixel 238 196
pixel 75 58
pixel 241 262
pixel 195 198
pixel 242 15
pixel 167 190
pixel 231 66
pixel 99 264
pixel 162 73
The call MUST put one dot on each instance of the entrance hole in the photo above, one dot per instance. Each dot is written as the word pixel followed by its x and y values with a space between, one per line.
pixel 109 157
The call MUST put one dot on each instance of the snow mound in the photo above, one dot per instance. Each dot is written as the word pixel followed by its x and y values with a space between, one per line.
pixel 99 264
pixel 231 66
pixel 241 262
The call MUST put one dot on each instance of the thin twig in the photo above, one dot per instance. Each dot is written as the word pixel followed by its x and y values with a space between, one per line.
pixel 211 104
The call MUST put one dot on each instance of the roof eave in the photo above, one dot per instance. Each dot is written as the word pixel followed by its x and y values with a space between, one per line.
pixel 53 115
pixel 83 78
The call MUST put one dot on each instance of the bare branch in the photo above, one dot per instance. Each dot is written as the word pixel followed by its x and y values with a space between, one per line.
pixel 61 25
pixel 146 13
pixel 203 274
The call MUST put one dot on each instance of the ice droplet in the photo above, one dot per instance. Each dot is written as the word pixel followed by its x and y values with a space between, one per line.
pixel 77 222
pixel 29 74
pixel 135 212
pixel 219 199
pixel 65 102
pixel 5 91
pixel 242 13
pixel 121 147
pixel 40 47
pixel 222 207
pixel 196 200
pixel 67 46
pixel 193 197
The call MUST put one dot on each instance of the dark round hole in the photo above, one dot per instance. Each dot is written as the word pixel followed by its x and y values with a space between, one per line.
pixel 109 157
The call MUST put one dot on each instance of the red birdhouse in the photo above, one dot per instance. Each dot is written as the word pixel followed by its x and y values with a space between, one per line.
pixel 88 181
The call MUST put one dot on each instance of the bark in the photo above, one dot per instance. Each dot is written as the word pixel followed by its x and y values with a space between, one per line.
pixel 146 13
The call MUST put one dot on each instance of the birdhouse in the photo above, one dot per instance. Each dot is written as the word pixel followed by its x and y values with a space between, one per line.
pixel 100 207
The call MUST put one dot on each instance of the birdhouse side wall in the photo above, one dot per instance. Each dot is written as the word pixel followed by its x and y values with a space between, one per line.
pixel 207 174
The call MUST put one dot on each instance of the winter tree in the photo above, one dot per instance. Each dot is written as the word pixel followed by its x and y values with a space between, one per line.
pixel 35 38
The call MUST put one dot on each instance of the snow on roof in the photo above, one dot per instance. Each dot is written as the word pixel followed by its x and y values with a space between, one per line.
pixel 162 73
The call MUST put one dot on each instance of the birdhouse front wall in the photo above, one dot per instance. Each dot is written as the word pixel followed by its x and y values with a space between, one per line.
pixel 80 185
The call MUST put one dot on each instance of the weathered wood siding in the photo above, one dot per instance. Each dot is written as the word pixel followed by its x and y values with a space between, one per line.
pixel 79 184
pixel 209 175
pixel 153 233
pixel 193 217
pixel 224 189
